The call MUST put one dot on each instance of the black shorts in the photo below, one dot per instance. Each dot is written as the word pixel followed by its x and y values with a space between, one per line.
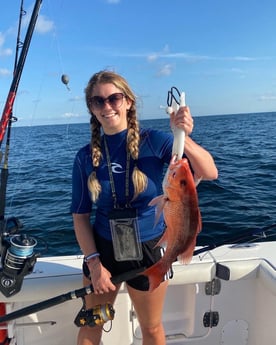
pixel 151 254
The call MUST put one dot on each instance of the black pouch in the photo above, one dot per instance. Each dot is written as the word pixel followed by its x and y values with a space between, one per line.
pixel 125 234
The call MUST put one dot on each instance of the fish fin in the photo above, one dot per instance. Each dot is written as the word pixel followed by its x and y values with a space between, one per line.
pixel 186 257
pixel 155 200
pixel 159 201
pixel 155 275
pixel 163 242
pixel 197 180
pixel 199 226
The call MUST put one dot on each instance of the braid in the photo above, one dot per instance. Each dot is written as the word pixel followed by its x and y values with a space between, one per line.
pixel 93 183
pixel 133 136
pixel 139 179
pixel 95 141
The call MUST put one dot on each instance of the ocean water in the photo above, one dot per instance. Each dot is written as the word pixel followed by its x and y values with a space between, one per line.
pixel 242 198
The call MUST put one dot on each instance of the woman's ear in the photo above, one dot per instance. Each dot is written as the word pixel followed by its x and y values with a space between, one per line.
pixel 129 104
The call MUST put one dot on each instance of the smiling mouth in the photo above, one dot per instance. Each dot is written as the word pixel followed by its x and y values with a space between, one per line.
pixel 108 116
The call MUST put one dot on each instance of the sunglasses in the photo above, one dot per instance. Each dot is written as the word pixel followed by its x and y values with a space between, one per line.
pixel 115 101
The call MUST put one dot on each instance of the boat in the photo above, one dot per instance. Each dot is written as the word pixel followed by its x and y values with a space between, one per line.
pixel 226 295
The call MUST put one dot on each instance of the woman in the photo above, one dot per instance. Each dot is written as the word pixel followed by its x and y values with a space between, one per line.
pixel 122 168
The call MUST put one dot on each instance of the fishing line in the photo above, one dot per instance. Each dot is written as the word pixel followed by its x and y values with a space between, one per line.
pixel 55 33
pixel 63 76
pixel 60 59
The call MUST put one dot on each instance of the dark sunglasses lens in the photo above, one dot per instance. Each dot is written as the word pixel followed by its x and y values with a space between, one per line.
pixel 115 99
pixel 97 102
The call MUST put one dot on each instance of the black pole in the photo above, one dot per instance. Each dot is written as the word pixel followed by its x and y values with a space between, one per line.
pixel 66 297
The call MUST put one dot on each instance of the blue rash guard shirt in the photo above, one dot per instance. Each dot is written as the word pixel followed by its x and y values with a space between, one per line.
pixel 154 153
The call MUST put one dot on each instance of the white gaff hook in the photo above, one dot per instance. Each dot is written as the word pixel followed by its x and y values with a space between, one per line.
pixel 178 133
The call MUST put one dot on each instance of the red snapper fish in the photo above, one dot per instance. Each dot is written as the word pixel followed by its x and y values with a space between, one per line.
pixel 182 217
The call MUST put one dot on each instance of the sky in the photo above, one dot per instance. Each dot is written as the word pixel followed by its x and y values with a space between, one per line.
pixel 221 53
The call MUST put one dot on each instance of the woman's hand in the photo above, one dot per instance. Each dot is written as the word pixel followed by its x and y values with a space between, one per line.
pixel 100 277
pixel 183 120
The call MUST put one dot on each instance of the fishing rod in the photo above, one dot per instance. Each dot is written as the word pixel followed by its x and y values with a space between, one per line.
pixel 130 275
pixel 17 251
pixel 7 117
pixel 67 296
pixel 4 170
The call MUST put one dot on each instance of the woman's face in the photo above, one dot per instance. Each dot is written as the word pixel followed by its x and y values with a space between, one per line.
pixel 110 106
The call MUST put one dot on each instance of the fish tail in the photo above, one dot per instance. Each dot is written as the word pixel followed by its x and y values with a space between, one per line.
pixel 155 274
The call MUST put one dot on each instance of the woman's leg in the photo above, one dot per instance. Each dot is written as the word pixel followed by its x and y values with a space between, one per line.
pixel 149 308
pixel 92 335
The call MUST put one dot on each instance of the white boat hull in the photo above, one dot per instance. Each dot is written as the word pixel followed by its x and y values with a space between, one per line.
pixel 199 308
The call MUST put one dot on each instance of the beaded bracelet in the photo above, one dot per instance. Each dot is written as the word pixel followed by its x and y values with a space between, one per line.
pixel 91 256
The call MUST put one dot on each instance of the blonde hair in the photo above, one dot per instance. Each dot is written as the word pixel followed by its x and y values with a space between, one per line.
pixel 139 179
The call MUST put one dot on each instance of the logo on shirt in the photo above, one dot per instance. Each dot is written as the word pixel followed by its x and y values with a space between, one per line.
pixel 117 168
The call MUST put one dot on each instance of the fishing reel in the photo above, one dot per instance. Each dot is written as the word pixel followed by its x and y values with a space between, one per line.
pixel 96 316
pixel 17 257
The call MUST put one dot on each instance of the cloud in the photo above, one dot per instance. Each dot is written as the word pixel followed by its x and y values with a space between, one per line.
pixel 2 39
pixel 152 57
pixel 268 97
pixel 113 1
pixel 4 72
pixel 165 53
pixel 239 72
pixel 165 70
pixel 76 98
pixel 192 58
pixel 70 115
pixel 43 24
pixel 4 51
pixel 245 58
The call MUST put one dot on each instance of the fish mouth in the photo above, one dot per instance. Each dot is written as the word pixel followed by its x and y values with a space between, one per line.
pixel 174 159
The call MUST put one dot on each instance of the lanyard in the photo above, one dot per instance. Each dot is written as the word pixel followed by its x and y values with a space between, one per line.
pixel 112 183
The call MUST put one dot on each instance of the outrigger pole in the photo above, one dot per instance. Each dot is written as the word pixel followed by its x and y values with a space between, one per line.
pixel 7 116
